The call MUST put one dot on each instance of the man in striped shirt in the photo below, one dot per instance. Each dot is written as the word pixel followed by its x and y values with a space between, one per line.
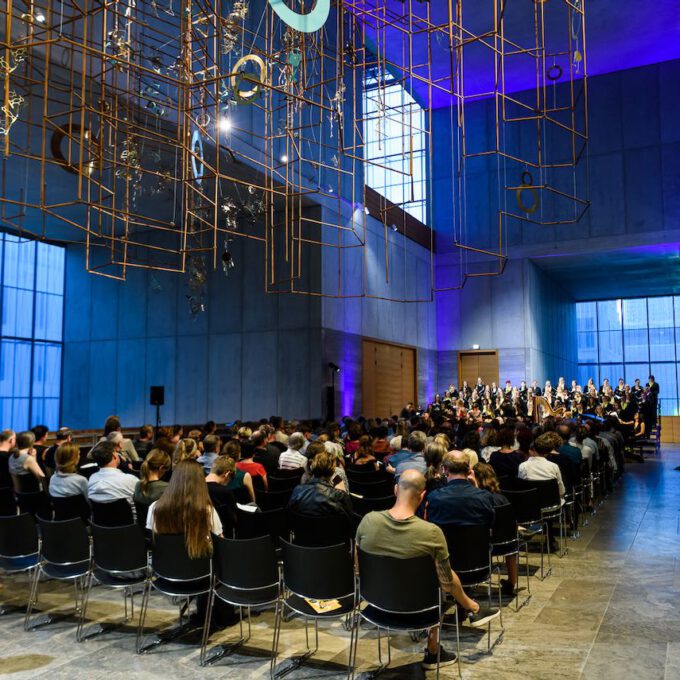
pixel 291 458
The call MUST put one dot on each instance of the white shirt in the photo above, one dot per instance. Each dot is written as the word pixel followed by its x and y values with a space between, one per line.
pixel 291 459
pixel 537 468
pixel 215 520
pixel 110 484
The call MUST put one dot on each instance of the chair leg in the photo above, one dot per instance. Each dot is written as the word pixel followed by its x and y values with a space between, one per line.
pixel 354 631
pixel 87 587
pixel 206 626
pixel 275 642
pixel 32 599
pixel 142 616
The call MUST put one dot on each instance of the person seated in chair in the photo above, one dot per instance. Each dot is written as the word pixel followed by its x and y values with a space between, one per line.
pixel 8 441
pixel 66 481
pixel 319 497
pixel 109 483
pixel 151 484
pixel 23 463
pixel 399 533
pixel 143 442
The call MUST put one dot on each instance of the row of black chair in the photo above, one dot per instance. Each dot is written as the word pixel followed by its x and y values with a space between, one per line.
pixel 244 573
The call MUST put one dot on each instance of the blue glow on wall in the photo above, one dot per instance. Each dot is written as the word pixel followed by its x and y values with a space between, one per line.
pixel 32 304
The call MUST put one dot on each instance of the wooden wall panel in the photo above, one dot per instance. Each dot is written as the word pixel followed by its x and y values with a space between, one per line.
pixel 389 378
pixel 475 364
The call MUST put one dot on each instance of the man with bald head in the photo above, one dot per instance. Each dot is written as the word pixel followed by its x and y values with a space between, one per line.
pixel 399 533
pixel 459 502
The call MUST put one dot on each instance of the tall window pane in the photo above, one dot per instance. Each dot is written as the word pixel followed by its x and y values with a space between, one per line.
pixel 660 312
pixel 609 315
pixel 586 316
pixel 395 154
pixel 32 301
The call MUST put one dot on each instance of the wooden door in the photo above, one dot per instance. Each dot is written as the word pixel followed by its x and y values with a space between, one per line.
pixel 388 379
pixel 478 364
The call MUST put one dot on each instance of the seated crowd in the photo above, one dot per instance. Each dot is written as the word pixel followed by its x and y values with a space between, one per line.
pixel 449 466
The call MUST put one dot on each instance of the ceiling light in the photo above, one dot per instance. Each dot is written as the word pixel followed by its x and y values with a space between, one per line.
pixel 40 18
pixel 225 124
pixel 284 158
pixel 366 210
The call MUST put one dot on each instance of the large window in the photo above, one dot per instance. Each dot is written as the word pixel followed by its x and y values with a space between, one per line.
pixel 395 145
pixel 32 304
pixel 630 339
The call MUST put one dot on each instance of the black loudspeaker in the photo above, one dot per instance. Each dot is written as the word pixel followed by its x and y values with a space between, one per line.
pixel 157 395
pixel 330 403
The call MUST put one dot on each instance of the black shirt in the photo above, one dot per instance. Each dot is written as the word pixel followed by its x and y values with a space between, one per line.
pixel 225 504
pixel 269 458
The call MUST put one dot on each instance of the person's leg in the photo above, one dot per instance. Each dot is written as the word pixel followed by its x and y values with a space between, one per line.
pixel 433 640
pixel 511 566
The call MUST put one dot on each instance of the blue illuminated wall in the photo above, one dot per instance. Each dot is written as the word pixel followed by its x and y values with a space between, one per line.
pixel 32 301
pixel 634 164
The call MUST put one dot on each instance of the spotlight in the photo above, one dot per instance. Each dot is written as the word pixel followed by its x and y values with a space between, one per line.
pixel 284 158
pixel 475 346
pixel 366 210
pixel 395 228
pixel 225 124
pixel 40 18
pixel 334 367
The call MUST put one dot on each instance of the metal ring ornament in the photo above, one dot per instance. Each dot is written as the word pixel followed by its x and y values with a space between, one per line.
pixel 554 72
pixel 527 182
pixel 55 147
pixel 197 166
pixel 305 23
pixel 248 96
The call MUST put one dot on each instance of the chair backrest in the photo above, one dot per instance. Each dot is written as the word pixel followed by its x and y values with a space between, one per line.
pixel 119 549
pixel 295 473
pixel 277 483
pixel 325 573
pixel 116 513
pixel 69 507
pixel 258 483
pixel 88 469
pixel 246 564
pixel 320 531
pixel 18 536
pixel 398 585
pixel 273 500
pixel 141 510
pixel 272 523
pixel 171 561
pixel 376 489
pixel 363 505
pixel 365 473
pixel 548 492
pixel 65 542
pixel 526 504
pixel 468 548
pixel 27 483
pixel 8 502
pixel 35 502
pixel 504 528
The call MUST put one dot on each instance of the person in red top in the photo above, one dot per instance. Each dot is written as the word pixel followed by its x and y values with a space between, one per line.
pixel 247 464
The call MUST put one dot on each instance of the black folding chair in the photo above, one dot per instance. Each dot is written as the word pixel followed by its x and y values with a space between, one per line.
pixel 310 576
pixel 19 546
pixel 506 542
pixel 470 558
pixel 70 507
pixel 36 503
pixel 527 507
pixel 120 562
pixel 116 513
pixel 8 502
pixel 392 607
pixel 66 555
pixel 278 483
pixel 377 489
pixel 247 576
pixel 272 523
pixel 27 483
pixel 320 531
pixel 366 474
pixel 552 507
pixel 141 510
pixel 273 500
pixel 176 575
pixel 362 505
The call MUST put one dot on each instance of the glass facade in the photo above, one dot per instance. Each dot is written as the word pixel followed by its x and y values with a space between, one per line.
pixel 31 332
pixel 630 339
pixel 395 146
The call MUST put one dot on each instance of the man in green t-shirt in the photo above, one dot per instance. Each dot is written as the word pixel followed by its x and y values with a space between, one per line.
pixel 399 533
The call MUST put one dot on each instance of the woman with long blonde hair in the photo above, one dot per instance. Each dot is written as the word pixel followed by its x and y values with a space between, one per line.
pixel 151 485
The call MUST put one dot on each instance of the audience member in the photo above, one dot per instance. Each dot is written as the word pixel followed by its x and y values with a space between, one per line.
pixel 265 454
pixel 413 459
pixel 292 457
pixel 109 483
pixel 151 485
pixel 8 440
pixel 23 463
pixel 63 436
pixel 143 442
pixel 247 464
pixel 66 481
pixel 506 460
pixel 399 533
pixel 211 449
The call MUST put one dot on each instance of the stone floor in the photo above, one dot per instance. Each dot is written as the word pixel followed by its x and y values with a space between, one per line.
pixel 610 609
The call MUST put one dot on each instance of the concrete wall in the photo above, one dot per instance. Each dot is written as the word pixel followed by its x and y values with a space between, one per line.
pixel 250 355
